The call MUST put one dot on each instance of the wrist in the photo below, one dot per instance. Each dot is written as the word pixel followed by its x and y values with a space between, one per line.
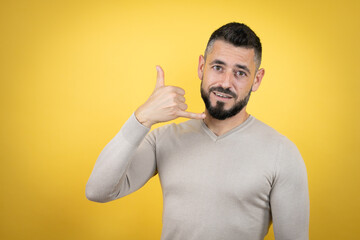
pixel 142 119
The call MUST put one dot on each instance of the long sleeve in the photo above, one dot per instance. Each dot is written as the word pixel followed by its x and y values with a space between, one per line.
pixel 125 164
pixel 289 197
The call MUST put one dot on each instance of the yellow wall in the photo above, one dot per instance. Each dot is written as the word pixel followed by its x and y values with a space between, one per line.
pixel 72 72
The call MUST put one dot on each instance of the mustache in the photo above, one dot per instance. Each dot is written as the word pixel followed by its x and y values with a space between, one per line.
pixel 223 90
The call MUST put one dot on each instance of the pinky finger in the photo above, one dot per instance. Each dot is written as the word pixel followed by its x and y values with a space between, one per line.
pixel 191 115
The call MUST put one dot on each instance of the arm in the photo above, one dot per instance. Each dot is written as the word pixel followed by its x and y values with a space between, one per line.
pixel 289 197
pixel 128 160
pixel 124 165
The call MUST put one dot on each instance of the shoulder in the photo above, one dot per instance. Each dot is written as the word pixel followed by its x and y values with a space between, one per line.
pixel 262 133
pixel 259 127
pixel 289 163
pixel 269 136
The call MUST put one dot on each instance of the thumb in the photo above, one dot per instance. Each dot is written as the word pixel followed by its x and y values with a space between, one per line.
pixel 159 78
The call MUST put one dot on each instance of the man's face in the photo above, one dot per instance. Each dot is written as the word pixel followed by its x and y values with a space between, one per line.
pixel 228 76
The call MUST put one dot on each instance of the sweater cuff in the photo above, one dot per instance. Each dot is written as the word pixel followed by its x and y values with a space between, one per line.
pixel 133 131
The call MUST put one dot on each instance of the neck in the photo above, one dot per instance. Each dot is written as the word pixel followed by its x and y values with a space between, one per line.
pixel 220 127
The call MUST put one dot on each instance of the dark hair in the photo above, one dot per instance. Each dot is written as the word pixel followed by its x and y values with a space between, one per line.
pixel 239 35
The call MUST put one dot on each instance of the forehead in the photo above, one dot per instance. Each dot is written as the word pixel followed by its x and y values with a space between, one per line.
pixel 231 54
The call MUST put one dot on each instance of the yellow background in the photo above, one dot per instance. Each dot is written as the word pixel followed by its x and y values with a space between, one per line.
pixel 72 72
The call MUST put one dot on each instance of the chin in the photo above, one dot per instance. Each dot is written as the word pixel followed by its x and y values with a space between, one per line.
pixel 226 106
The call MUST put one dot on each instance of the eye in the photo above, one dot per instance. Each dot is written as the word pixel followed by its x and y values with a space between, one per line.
pixel 217 68
pixel 240 74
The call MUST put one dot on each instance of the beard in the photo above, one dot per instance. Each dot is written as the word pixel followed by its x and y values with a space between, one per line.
pixel 218 111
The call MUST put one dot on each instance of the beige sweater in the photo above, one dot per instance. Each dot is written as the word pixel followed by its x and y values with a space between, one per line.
pixel 228 187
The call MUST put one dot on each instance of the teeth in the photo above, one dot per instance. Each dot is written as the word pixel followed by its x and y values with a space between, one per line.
pixel 220 95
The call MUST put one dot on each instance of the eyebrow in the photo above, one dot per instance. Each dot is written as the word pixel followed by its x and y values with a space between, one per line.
pixel 217 61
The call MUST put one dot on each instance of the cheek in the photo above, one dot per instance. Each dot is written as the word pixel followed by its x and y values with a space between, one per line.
pixel 243 85
pixel 241 90
pixel 210 80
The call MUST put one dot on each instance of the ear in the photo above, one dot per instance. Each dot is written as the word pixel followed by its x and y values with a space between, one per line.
pixel 201 67
pixel 258 78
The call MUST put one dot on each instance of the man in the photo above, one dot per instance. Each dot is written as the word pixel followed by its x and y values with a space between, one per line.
pixel 224 174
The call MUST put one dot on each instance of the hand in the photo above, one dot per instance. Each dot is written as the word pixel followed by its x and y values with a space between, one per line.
pixel 166 103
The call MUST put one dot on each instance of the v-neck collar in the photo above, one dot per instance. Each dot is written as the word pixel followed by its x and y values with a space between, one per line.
pixel 215 138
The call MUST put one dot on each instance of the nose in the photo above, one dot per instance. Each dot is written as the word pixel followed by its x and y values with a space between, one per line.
pixel 226 80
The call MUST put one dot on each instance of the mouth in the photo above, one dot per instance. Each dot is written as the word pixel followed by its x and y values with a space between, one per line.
pixel 221 95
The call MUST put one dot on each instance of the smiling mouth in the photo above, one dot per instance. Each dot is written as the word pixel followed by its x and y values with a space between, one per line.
pixel 222 95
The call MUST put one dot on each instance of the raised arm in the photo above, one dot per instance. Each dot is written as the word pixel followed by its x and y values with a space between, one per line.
pixel 128 161
pixel 113 175
pixel 289 197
